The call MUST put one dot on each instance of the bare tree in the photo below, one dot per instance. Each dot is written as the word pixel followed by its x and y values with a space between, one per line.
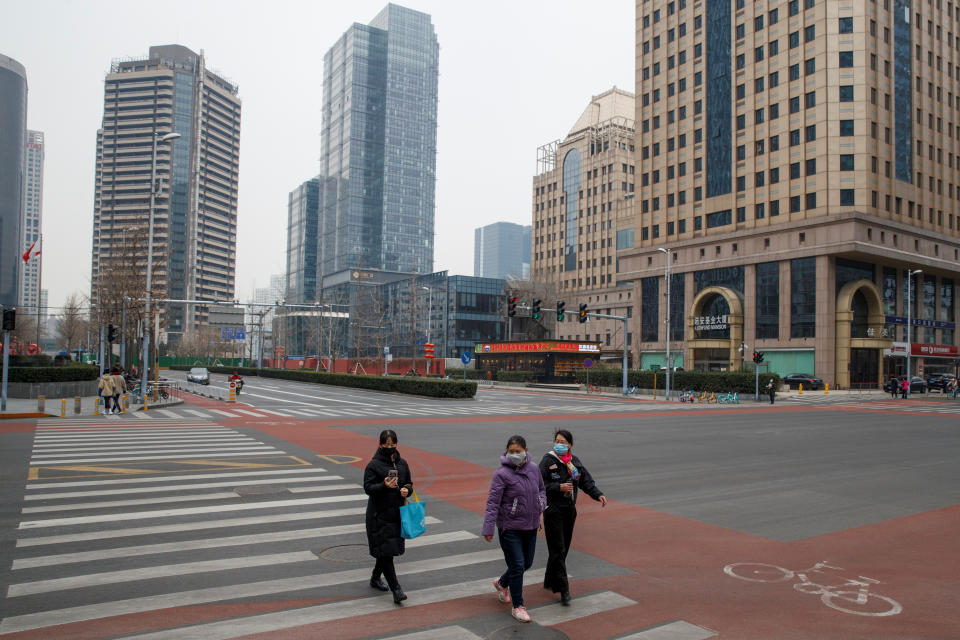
pixel 525 327
pixel 72 324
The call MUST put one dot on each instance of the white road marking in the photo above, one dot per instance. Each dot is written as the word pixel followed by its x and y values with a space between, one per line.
pixel 196 497
pixel 676 630
pixel 195 412
pixel 225 414
pixel 167 513
pixel 136 440
pixel 188 526
pixel 157 571
pixel 177 487
pixel 169 413
pixel 557 613
pixel 267 622
pixel 139 431
pixel 249 413
pixel 195 476
pixel 141 447
pixel 115 458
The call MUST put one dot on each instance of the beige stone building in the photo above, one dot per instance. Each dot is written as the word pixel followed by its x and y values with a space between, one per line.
pixel 795 159
pixel 585 183
pixel 195 231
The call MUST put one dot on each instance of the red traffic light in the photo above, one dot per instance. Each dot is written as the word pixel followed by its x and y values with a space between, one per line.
pixel 428 350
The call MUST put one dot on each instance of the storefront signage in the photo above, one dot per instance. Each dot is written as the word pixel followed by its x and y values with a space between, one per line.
pixel 920 349
pixel 710 323
pixel 920 322
pixel 548 346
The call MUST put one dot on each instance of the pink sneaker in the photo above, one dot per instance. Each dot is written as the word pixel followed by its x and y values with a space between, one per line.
pixel 520 613
pixel 503 593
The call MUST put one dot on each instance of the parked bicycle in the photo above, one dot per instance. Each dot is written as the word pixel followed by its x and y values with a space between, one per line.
pixel 162 391
pixel 688 396
pixel 634 390
pixel 708 397
pixel 851 596
pixel 729 398
pixel 592 388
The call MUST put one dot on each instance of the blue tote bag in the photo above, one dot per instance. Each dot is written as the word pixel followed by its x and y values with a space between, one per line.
pixel 413 517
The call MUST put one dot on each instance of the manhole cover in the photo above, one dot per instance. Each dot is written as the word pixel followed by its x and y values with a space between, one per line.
pixel 346 553
pixel 520 631
pixel 257 492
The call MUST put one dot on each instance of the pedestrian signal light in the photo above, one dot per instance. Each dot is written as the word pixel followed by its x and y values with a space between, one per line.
pixel 536 308
pixel 512 306
pixel 759 357
pixel 112 333
pixel 9 319
pixel 428 351
pixel 560 310
pixel 583 312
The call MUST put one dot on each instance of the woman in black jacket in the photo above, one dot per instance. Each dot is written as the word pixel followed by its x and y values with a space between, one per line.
pixel 564 476
pixel 387 481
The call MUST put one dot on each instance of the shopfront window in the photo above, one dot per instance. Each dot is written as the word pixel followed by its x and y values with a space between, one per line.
pixel 677 320
pixel 946 309
pixel 929 307
pixel 768 301
pixel 909 305
pixel 890 299
pixel 803 298
pixel 650 309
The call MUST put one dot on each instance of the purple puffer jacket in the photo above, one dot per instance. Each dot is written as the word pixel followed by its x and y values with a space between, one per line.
pixel 517 497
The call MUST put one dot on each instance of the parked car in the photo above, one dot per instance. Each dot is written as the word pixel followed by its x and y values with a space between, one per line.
pixel 199 375
pixel 917 385
pixel 794 380
pixel 939 381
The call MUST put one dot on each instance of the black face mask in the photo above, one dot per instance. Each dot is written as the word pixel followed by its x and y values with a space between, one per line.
pixel 390 452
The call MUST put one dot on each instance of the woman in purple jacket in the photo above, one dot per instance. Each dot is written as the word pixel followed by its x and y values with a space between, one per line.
pixel 516 500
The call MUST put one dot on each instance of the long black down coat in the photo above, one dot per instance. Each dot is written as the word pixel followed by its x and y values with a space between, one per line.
pixel 383 507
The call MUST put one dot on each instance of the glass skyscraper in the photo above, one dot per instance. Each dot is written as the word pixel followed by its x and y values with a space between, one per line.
pixel 13 131
pixel 378 146
pixel 502 250
pixel 303 208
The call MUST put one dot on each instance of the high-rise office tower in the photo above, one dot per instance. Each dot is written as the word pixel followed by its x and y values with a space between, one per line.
pixel 303 211
pixel 13 129
pixel 32 222
pixel 502 250
pixel 195 231
pixel 378 146
pixel 816 147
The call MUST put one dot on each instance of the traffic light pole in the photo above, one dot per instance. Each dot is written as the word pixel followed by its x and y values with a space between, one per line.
pixel 6 360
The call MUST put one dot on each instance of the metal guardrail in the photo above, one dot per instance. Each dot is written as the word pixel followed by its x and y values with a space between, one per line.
pixel 205 390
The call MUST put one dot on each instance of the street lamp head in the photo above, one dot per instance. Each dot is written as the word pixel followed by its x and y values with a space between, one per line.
pixel 167 137
pixel 915 272
pixel 663 250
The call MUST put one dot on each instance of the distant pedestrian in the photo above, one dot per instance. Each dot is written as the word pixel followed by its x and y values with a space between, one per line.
pixel 953 386
pixel 514 504
pixel 894 388
pixel 563 476
pixel 105 388
pixel 119 387
pixel 387 481
pixel 771 390
pixel 904 387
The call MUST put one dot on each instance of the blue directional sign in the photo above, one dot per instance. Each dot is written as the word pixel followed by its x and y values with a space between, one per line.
pixel 240 334
pixel 230 333
pixel 226 334
pixel 466 357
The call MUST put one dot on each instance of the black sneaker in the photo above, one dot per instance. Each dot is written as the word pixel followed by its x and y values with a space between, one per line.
pixel 564 597
pixel 379 584
pixel 398 595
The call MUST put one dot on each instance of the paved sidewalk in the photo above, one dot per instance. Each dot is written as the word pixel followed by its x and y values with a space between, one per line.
pixel 22 408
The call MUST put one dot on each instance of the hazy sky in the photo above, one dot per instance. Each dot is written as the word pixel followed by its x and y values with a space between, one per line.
pixel 513 76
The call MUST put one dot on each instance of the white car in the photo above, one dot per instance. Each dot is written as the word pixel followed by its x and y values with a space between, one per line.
pixel 199 375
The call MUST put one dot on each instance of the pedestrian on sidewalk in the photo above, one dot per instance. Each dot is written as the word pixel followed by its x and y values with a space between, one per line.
pixel 904 388
pixel 387 481
pixel 563 477
pixel 119 387
pixel 771 390
pixel 893 387
pixel 517 498
pixel 105 388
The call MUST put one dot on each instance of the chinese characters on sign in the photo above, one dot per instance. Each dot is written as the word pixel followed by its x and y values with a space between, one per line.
pixel 710 323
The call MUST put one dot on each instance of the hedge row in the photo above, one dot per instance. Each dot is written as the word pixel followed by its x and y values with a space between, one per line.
pixel 719 381
pixel 433 388
pixel 72 373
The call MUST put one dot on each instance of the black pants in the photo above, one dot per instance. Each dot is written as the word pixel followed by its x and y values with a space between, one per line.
pixel 385 568
pixel 106 403
pixel 558 528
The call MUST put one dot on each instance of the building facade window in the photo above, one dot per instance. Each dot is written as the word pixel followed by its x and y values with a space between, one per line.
pixel 768 301
pixel 803 298
pixel 650 309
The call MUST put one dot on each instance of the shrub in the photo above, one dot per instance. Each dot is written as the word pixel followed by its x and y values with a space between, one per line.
pixel 719 381
pixel 515 376
pixel 73 373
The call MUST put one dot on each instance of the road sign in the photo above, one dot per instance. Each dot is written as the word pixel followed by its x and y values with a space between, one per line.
pixel 654 367
pixel 588 363
pixel 226 334
pixel 466 357
pixel 386 350
pixel 920 369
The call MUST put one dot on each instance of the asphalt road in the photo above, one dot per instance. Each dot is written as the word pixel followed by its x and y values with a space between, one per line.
pixel 180 525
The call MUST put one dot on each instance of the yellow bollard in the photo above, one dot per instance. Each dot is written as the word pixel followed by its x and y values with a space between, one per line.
pixel 146 405
pixel 96 406
pixel 125 403
pixel 63 408
pixel 41 404
pixel 801 389
pixel 233 392
pixel 826 388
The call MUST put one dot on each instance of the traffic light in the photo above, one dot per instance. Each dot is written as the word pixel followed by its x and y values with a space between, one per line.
pixel 512 306
pixel 536 308
pixel 112 333
pixel 758 357
pixel 560 310
pixel 583 312
pixel 9 319
pixel 428 351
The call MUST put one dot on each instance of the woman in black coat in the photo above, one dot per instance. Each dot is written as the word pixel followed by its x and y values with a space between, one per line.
pixel 387 481
pixel 564 476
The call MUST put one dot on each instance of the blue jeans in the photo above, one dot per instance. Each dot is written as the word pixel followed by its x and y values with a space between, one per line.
pixel 518 549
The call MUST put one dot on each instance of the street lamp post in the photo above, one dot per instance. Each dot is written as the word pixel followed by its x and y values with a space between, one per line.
pixel 167 137
pixel 669 365
pixel 429 320
pixel 910 275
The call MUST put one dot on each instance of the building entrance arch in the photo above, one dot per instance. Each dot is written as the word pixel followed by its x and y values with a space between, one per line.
pixel 715 330
pixel 859 335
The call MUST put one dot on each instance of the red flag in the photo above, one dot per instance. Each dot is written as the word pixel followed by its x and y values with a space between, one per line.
pixel 34 250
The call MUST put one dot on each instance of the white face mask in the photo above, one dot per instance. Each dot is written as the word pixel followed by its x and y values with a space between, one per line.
pixel 517 458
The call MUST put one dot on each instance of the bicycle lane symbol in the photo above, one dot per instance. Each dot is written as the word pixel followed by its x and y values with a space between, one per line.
pixel 852 595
